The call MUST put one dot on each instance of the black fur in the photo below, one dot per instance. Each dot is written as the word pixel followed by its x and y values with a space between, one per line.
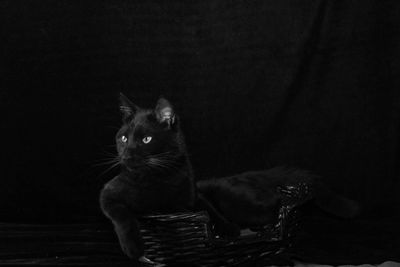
pixel 253 199
pixel 155 176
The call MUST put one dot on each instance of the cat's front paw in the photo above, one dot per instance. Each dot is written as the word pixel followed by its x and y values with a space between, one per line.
pixel 130 248
pixel 145 262
pixel 227 230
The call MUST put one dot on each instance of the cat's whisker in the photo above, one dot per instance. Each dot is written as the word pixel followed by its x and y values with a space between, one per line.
pixel 105 160
pixel 161 164
pixel 157 160
pixel 167 153
pixel 109 153
pixel 109 169
pixel 167 162
pixel 105 163
pixel 159 167
pixel 162 156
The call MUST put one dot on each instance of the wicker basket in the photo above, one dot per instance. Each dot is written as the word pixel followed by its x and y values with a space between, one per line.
pixel 184 238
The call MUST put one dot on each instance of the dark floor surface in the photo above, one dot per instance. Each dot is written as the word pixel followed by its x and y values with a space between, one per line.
pixel 362 241
pixel 319 240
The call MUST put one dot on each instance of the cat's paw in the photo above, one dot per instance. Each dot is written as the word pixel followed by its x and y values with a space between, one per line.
pixel 130 249
pixel 145 262
pixel 227 230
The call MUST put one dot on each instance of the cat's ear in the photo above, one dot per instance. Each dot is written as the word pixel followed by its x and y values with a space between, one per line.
pixel 127 108
pixel 165 112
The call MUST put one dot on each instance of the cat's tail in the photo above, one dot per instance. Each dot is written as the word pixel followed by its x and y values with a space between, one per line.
pixel 334 203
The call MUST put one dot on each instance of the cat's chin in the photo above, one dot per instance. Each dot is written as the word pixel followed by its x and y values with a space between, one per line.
pixel 129 169
pixel 132 167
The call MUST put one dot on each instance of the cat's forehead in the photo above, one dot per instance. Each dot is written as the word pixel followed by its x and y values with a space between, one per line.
pixel 142 121
pixel 143 117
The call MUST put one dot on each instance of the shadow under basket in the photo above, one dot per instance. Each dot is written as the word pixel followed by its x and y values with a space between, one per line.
pixel 188 238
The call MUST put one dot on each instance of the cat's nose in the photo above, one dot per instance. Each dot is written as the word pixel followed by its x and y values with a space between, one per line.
pixel 125 158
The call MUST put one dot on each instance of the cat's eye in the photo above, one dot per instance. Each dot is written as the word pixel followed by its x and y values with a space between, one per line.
pixel 124 139
pixel 147 139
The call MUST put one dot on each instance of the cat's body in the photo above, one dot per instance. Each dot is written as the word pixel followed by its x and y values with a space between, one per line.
pixel 252 199
pixel 156 174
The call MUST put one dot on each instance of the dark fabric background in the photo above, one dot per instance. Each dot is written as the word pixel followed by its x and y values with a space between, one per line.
pixel 257 83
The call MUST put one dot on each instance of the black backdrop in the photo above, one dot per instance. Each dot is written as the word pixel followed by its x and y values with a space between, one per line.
pixel 256 83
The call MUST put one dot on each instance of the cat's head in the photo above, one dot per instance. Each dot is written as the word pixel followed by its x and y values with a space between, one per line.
pixel 148 138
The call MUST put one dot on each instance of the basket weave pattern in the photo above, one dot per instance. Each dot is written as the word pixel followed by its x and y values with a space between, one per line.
pixel 188 237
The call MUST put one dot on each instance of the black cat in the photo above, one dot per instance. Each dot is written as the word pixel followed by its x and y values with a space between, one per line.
pixel 156 174
pixel 252 199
